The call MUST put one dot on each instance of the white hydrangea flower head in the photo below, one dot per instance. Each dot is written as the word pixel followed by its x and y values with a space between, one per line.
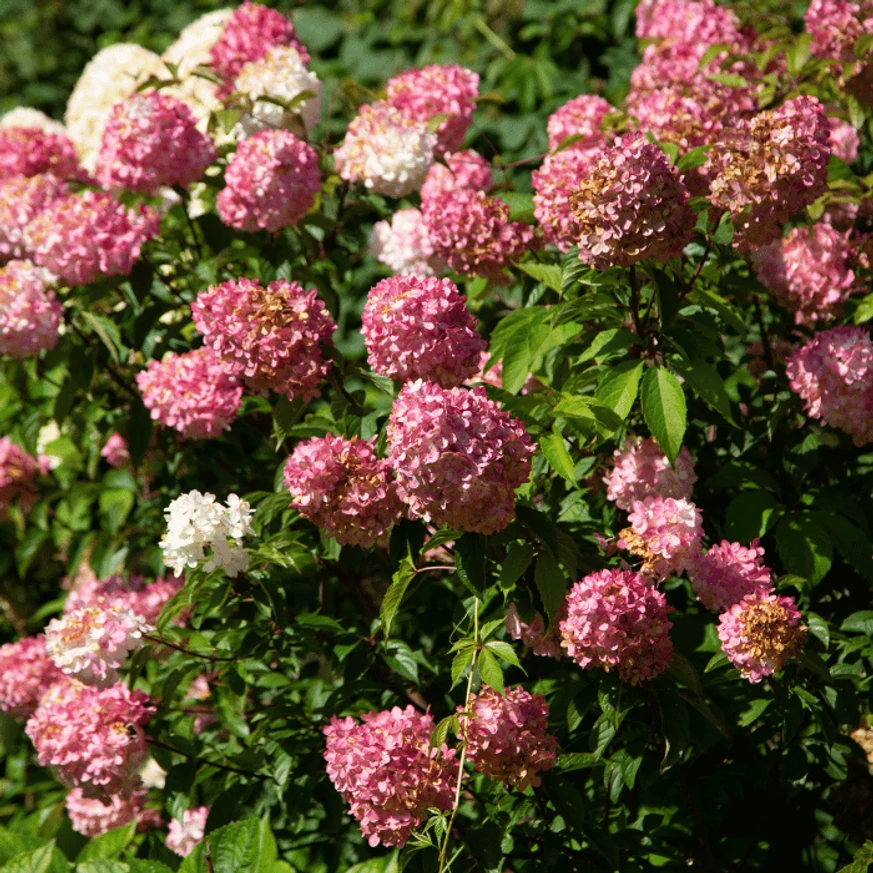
pixel 195 42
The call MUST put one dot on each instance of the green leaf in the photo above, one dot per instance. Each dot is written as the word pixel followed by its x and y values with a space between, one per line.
pixel 394 595
pixel 558 457
pixel 705 382
pixel 107 330
pixel 804 546
pixel 859 623
pixel 515 563
pixel 387 863
pixel 490 671
pixel 109 845
pixel 441 731
pixel 46 859
pixel 862 861
pixel 751 514
pixel 521 346
pixel 619 387
pixel 695 157
pixel 664 409
pixel 675 727
pixel 102 866
pixel 754 711
pixel 550 582
pixel 247 845
pixel 460 663
pixel 138 865
pixel 504 651
pixel 115 504
pixel 708 299
pixel 548 274
pixel 520 203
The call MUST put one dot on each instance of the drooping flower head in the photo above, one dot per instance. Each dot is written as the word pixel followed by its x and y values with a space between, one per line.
pixel 466 169
pixel 342 486
pixel 82 237
pixel 193 393
pixel 642 470
pixel 457 457
pixel 616 620
pixel 26 673
pixel 18 472
pixel 761 633
pixel 32 151
pixel 508 736
pixel 582 116
pixel 271 337
pixel 403 245
pixel 386 770
pixel 94 816
pixel 22 198
pixel 420 328
pixel 150 140
pixel 183 836
pixel 29 314
pixel 270 183
pixel 728 572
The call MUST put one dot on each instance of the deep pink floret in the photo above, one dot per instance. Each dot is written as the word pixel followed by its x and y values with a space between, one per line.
pixel 30 151
pixel 26 673
pixel 582 116
pixel 728 572
pixel 466 169
pixel 29 314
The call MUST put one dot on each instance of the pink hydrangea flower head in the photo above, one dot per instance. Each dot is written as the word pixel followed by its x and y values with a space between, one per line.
pixel 146 599
pixel 420 328
pixel 810 271
pixel 507 736
pixel 151 140
pixel 836 25
pixel 765 170
pixel 582 116
pixel 18 473
pixel 271 337
pixel 642 470
pixel 183 836
pixel 728 572
pixel 387 152
pixel 844 140
pixel 457 457
pixel 82 237
pixel 685 21
pixel 249 32
pixel 31 151
pixel 26 672
pixel 270 183
pixel 194 393
pixel 665 533
pixel 22 198
pixel 761 633
pixel 474 234
pixel 342 486
pixel 94 816
pixel 116 451
pixel 93 736
pixel 559 177
pixel 92 644
pixel 533 636
pixel 833 375
pixel 386 770
pixel 449 90
pixel 466 169
pixel 403 245
pixel 616 620
pixel 29 314
pixel 631 205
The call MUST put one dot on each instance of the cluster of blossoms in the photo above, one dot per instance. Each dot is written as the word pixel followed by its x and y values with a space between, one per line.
pixel 151 140
pixel 26 673
pixel 615 619
pixel 344 488
pixel 115 451
pixel 765 170
pixel 844 139
pixel 82 237
pixel 136 594
pixel 18 471
pixel 270 337
pixel 388 773
pixel 836 26
pixel 581 117
pixel 92 643
pixel 457 456
pixel 420 328
pixel 726 573
pixel 32 151
pixel 270 182
pixel 93 736
pixel 194 393
pixel 183 836
pixel 196 522
pixel 22 198
pixel 507 736
pixel 466 169
pixel 93 816
pixel 642 470
pixel 810 271
pixel 403 244
pixel 833 375
pixel 554 183
pixel 29 314
pixel 761 633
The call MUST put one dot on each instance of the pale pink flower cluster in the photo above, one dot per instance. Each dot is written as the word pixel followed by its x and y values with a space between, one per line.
pixel 765 170
pixel 26 673
pixel 685 20
pixel 728 572
pixel 559 177
pixel 150 140
pixel 833 375
pixel 344 488
pixel 389 153
pixel 507 736
pixel 249 33
pixel 761 633
pixel 665 532
pixel 92 644
pixel 82 237
pixel 22 198
pixel 448 90
pixel 533 636
pixel 403 245
pixel 844 139
pixel 457 456
pixel 146 599
pixel 193 393
pixel 93 816
pixel 270 182
pixel 630 205
pixel 420 328
pixel 388 773
pixel 183 836
pixel 583 117
pixel 836 25
pixel 30 151
pixel 466 169
pixel 18 472
pixel 93 736
pixel 271 337
pixel 615 619
pixel 29 314
pixel 115 450
pixel 810 271
pixel 642 470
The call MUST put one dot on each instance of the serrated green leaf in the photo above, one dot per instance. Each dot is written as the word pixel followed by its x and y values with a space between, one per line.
pixel 619 386
pixel 490 671
pixel 706 383
pixel 505 651
pixel 550 582
pixel 460 663
pixel 548 274
pixel 552 445
pixel 394 595
pixel 754 711
pixel 517 560
pixel 664 410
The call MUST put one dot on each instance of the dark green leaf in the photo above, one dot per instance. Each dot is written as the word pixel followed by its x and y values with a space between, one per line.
pixel 664 409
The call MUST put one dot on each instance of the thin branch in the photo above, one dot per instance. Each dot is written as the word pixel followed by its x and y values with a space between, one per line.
pixel 230 769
